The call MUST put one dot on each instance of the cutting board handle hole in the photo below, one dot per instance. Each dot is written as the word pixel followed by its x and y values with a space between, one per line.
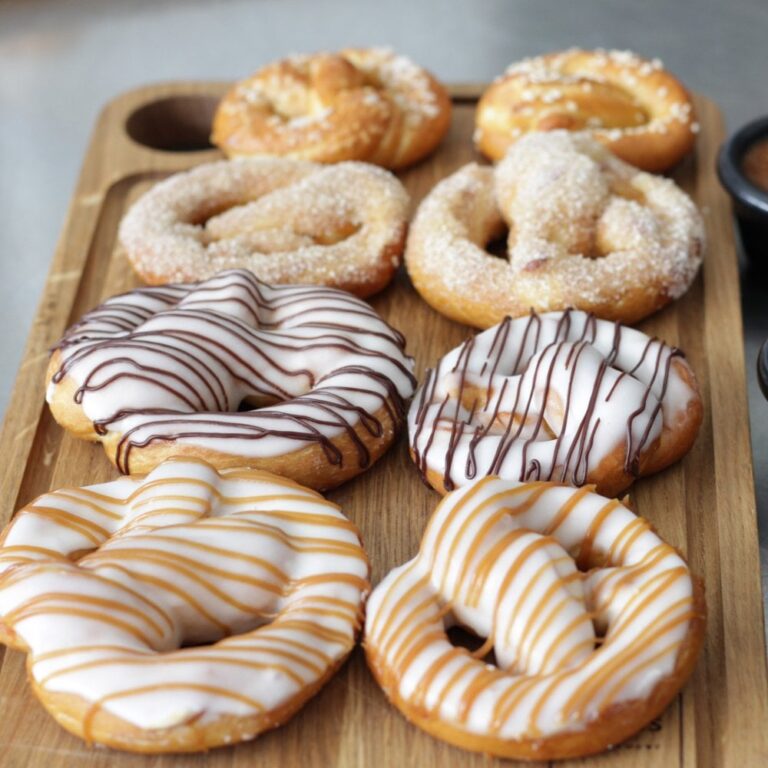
pixel 174 124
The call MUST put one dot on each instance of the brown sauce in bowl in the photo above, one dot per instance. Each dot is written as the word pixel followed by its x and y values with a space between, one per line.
pixel 755 164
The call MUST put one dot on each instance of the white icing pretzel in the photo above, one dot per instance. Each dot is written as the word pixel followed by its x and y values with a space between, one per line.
pixel 163 371
pixel 594 622
pixel 103 586
pixel 561 396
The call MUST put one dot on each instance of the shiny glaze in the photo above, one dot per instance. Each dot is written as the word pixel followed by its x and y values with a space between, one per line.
pixel 545 397
pixel 582 603
pixel 107 585
pixel 174 364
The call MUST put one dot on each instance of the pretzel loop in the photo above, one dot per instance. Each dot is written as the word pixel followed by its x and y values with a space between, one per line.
pixel 562 396
pixel 594 622
pixel 182 610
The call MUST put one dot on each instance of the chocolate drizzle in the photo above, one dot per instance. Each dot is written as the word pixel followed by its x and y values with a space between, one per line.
pixel 533 399
pixel 154 365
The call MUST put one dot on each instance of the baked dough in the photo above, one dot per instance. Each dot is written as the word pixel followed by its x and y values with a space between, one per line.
pixel 359 104
pixel 633 106
pixel 304 381
pixel 183 610
pixel 595 623
pixel 585 230
pixel 287 221
pixel 561 396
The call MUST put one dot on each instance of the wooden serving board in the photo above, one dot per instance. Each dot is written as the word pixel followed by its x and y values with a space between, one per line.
pixel 704 505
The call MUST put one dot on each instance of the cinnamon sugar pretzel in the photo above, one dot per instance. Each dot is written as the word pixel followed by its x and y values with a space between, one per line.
pixel 181 611
pixel 585 230
pixel 287 221
pixel 594 622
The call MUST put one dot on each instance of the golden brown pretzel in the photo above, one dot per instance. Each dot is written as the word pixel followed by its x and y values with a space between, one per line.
pixel 359 104
pixel 634 106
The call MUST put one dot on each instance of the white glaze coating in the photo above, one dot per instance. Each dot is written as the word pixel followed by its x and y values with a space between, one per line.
pixel 104 584
pixel 154 364
pixel 499 557
pixel 545 397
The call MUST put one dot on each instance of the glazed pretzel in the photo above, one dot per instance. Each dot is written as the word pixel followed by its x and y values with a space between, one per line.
pixel 561 396
pixel 594 622
pixel 102 586
pixel 304 381
pixel 359 104
pixel 633 106
pixel 285 220
pixel 586 230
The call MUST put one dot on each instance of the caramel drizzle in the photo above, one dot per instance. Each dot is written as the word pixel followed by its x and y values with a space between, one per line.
pixel 406 622
pixel 575 465
pixel 173 555
pixel 200 339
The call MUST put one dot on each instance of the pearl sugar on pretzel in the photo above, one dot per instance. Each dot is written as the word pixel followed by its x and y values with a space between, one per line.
pixel 287 221
pixel 359 104
pixel 633 106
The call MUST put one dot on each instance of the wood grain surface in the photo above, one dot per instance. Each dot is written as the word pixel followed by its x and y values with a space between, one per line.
pixel 705 505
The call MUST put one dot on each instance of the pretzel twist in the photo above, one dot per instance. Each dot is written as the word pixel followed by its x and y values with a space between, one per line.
pixel 304 381
pixel 561 396
pixel 285 220
pixel 259 578
pixel 359 104
pixel 585 230
pixel 633 106
pixel 594 622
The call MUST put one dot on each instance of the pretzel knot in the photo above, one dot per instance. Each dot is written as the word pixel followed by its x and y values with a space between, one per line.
pixel 359 104
pixel 594 622
pixel 302 380
pixel 585 230
pixel 641 112
pixel 287 221
pixel 561 396
pixel 103 586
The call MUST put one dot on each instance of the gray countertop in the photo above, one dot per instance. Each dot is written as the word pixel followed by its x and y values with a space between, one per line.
pixel 60 60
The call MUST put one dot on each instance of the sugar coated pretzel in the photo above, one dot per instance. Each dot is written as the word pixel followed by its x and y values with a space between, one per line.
pixel 182 610
pixel 585 230
pixel 359 104
pixel 561 396
pixel 633 106
pixel 305 381
pixel 594 622
pixel 286 220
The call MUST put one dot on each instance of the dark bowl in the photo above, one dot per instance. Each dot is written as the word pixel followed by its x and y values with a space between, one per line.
pixel 762 368
pixel 750 203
